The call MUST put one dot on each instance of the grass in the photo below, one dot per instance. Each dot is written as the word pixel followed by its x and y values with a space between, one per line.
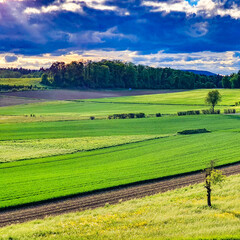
pixel 178 214
pixel 47 177
pixel 168 103
pixel 50 177
pixel 87 128
pixel 86 109
pixel 193 97
pixel 27 149
pixel 21 81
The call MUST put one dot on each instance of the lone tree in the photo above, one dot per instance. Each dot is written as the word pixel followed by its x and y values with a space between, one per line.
pixel 213 98
pixel 212 177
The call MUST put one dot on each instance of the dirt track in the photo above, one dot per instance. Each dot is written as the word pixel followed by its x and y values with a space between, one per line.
pixel 59 94
pixel 11 100
pixel 90 201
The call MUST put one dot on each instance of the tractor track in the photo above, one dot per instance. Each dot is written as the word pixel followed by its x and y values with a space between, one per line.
pixel 90 201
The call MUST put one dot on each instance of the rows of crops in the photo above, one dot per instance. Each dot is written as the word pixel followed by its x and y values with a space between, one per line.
pixel 55 162
pixel 27 149
pixel 45 178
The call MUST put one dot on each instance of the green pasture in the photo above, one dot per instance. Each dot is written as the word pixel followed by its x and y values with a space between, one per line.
pixel 178 214
pixel 21 81
pixel 83 110
pixel 87 109
pixel 50 177
pixel 144 126
pixel 167 103
pixel 55 163
pixel 36 148
pixel 193 97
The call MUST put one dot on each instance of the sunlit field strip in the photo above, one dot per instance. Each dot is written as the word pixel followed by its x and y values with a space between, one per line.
pixel 193 97
pixel 147 126
pixel 46 178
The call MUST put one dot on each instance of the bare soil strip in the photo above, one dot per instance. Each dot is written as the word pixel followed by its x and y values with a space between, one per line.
pixel 6 100
pixel 90 201
pixel 58 94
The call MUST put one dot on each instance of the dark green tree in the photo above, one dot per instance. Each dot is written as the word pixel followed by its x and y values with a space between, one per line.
pixel 213 98
pixel 226 83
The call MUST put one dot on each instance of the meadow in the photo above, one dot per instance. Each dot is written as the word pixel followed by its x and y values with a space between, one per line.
pixel 193 97
pixel 165 103
pixel 27 149
pixel 50 177
pixel 21 81
pixel 56 155
pixel 178 214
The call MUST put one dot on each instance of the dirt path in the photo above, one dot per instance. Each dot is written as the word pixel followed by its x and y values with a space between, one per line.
pixel 91 201
pixel 61 94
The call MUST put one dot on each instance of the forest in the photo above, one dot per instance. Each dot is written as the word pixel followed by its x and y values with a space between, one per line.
pixel 118 74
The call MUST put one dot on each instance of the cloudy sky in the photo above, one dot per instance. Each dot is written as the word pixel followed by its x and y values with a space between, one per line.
pixel 182 34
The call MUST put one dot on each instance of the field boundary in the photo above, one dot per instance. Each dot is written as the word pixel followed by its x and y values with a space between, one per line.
pixel 105 196
pixel 87 150
pixel 167 104
pixel 118 187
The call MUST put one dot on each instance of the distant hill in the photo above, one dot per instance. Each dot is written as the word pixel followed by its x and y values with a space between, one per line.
pixel 201 72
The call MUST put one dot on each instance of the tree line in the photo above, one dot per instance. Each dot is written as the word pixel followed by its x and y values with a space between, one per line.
pixel 118 74
pixel 20 73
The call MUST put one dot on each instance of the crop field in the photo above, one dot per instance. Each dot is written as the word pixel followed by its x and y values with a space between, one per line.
pixel 56 154
pixel 164 103
pixel 178 214
pixel 20 81
pixel 27 149
pixel 193 97
pixel 50 177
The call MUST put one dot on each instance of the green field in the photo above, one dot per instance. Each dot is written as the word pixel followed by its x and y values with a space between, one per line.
pixel 63 157
pixel 167 103
pixel 27 149
pixel 21 81
pixel 193 97
pixel 49 177
pixel 179 214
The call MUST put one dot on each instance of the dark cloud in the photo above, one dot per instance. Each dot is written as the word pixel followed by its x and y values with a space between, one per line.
pixel 142 31
pixel 11 58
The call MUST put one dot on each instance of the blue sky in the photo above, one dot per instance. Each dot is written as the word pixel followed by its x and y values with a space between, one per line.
pixel 182 34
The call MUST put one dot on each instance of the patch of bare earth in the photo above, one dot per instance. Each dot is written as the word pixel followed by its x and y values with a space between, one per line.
pixel 7 100
pixel 83 94
pixel 90 201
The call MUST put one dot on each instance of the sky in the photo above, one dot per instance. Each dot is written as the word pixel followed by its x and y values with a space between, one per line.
pixel 181 34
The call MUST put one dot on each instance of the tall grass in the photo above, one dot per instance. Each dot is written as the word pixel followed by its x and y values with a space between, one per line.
pixel 179 214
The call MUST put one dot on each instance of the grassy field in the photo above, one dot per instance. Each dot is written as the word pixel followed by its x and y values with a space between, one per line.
pixel 145 126
pixel 179 214
pixel 167 103
pixel 21 81
pixel 45 176
pixel 27 149
pixel 87 109
pixel 193 97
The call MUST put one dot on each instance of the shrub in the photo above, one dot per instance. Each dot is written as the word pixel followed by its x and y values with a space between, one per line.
pixel 140 115
pixel 210 111
pixel 196 112
pixel 194 131
pixel 158 114
pixel 92 118
pixel 229 111
pixel 131 115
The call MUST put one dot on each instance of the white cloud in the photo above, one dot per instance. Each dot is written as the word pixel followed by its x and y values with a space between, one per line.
pixel 222 63
pixel 74 6
pixel 206 8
